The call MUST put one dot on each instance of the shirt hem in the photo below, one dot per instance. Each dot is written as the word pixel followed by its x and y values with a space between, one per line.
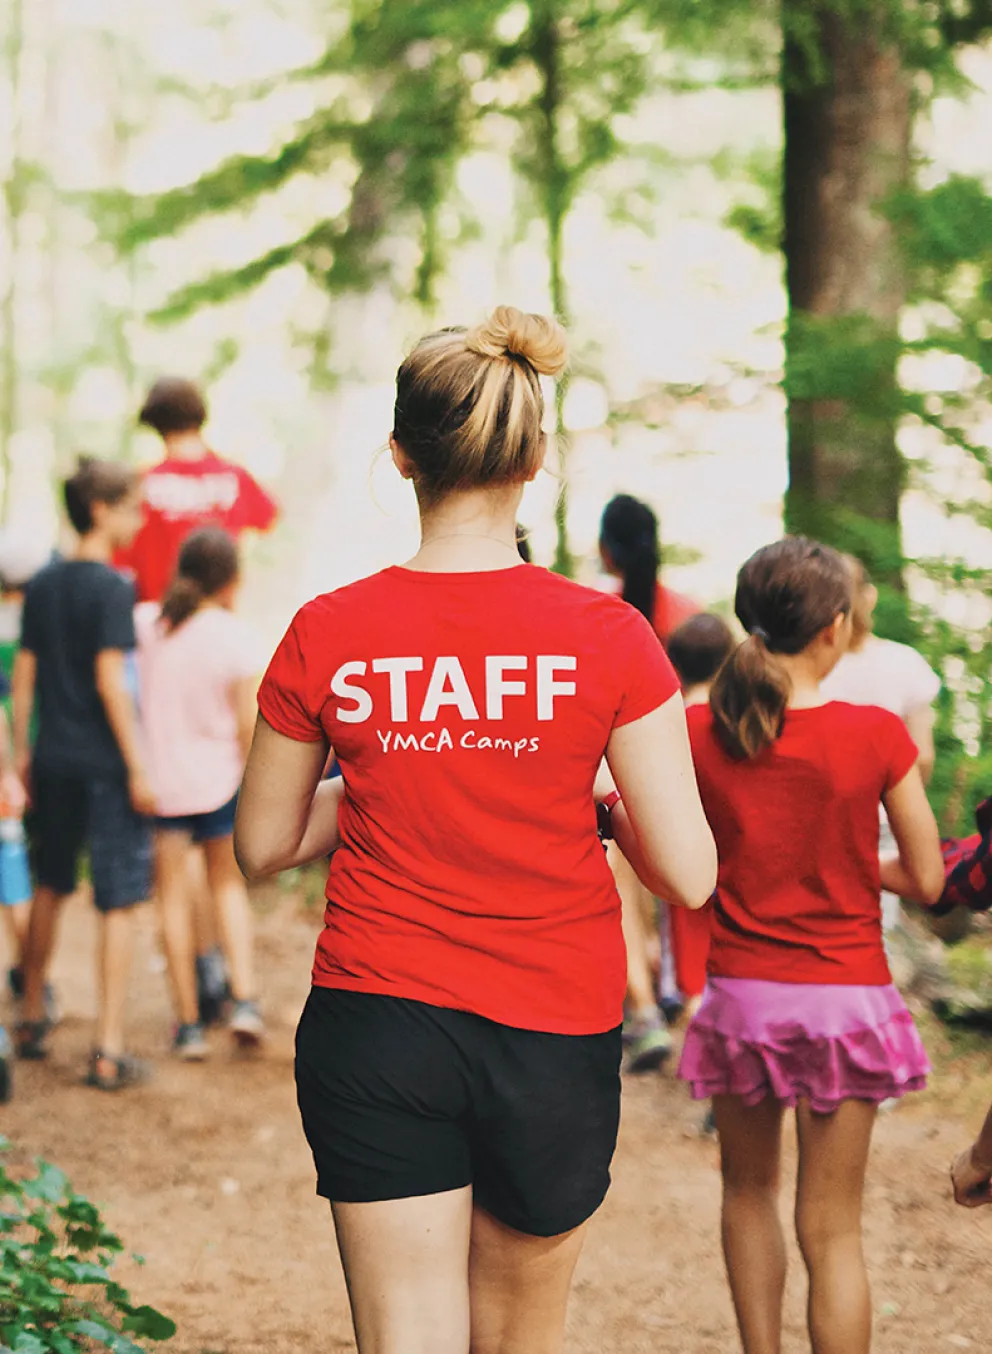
pixel 430 997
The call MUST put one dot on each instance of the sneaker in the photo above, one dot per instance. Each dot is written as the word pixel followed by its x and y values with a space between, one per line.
pixel 190 1043
pixel 650 1046
pixel 6 1066
pixel 212 988
pixel 246 1024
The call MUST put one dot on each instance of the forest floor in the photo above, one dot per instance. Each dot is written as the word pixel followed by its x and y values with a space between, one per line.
pixel 205 1172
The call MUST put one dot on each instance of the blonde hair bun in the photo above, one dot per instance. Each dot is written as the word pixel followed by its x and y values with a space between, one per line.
pixel 537 340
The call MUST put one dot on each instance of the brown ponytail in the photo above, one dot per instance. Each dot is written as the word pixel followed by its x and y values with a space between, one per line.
pixel 208 563
pixel 787 593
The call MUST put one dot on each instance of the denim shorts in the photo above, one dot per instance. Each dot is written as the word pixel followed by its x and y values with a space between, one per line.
pixel 70 813
pixel 203 827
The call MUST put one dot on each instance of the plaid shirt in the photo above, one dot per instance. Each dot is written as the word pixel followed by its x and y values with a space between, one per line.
pixel 968 867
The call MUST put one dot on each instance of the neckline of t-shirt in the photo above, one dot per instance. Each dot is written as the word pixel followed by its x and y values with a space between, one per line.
pixel 458 575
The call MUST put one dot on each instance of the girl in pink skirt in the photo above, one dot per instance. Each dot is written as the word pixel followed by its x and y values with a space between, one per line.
pixel 799 1010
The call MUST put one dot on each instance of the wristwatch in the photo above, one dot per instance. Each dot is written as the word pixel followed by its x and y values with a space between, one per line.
pixel 604 815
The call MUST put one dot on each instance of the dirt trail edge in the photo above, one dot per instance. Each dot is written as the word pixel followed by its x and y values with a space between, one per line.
pixel 206 1174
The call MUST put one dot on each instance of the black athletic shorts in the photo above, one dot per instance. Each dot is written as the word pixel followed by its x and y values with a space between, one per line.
pixel 400 1099
pixel 69 813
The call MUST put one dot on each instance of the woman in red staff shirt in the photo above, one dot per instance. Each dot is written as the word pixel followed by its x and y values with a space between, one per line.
pixel 457 1061
pixel 799 1008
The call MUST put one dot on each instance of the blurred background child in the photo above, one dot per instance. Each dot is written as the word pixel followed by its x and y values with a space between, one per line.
pixel 199 673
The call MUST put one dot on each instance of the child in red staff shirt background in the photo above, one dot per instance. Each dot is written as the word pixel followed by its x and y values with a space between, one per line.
pixel 191 488
pixel 799 1009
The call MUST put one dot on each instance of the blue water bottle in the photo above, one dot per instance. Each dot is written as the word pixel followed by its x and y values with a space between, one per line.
pixel 15 872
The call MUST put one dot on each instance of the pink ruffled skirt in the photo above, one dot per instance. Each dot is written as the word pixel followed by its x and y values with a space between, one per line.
pixel 796 1041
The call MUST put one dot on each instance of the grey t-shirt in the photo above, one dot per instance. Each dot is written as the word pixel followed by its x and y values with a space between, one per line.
pixel 74 610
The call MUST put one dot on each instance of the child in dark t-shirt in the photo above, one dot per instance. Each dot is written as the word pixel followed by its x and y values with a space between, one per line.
pixel 85 776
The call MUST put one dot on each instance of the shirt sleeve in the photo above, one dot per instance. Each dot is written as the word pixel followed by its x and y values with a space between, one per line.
pixel 115 616
pixel 899 751
pixel 648 678
pixel 284 698
pixel 255 508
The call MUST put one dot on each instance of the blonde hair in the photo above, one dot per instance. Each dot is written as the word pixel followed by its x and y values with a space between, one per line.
pixel 469 407
pixel 861 609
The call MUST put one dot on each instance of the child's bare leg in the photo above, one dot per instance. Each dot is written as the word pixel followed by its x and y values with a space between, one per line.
pixel 113 973
pixel 46 908
pixel 16 920
pixel 175 919
pixel 753 1242
pixel 233 916
pixel 833 1158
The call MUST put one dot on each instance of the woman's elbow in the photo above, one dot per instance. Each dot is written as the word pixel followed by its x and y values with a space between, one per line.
pixel 255 860
pixel 694 884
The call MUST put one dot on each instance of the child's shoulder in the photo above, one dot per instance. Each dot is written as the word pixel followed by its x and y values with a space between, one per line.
pixel 862 718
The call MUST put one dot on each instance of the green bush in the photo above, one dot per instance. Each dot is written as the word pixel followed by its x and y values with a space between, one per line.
pixel 57 1295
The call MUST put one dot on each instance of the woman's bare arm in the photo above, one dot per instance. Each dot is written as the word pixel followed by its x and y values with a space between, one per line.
pixel 287 815
pixel 659 824
pixel 917 873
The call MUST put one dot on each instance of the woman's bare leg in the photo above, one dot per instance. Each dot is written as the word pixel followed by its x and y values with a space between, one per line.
pixel 233 916
pixel 753 1242
pixel 833 1158
pixel 406 1266
pixel 519 1288
pixel 175 911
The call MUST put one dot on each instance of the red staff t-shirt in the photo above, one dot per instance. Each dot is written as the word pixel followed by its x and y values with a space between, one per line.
pixel 181 496
pixel 796 828
pixel 469 713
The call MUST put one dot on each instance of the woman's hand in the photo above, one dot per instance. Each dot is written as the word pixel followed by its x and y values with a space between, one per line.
pixel 972 1179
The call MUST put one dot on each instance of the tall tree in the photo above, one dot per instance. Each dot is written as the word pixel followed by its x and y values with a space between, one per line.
pixel 409 89
pixel 13 212
pixel 847 106
pixel 850 90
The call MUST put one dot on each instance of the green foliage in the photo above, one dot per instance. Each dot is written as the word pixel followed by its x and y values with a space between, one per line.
pixel 407 90
pixel 57 1294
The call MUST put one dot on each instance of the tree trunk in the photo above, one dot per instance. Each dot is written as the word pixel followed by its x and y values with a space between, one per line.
pixel 848 122
pixel 554 187
pixel 13 204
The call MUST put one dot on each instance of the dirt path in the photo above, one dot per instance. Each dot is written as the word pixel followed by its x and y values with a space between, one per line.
pixel 206 1173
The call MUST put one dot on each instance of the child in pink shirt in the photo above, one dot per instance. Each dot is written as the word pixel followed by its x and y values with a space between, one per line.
pixel 199 675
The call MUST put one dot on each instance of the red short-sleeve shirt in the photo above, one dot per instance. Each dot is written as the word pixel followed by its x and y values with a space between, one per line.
pixel 469 713
pixel 179 498
pixel 798 893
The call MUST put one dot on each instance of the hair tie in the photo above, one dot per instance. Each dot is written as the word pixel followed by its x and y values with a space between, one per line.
pixel 759 633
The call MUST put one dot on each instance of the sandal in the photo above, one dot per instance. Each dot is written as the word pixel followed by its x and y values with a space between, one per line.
pixel 31 1037
pixel 127 1071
